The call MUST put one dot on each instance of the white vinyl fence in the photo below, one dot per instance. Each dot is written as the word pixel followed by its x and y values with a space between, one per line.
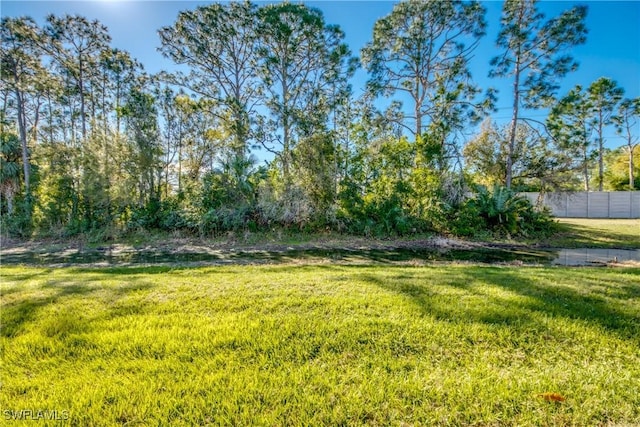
pixel 593 204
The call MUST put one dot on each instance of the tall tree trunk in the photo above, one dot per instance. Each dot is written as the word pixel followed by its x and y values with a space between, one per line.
pixel 5 97
pixel 416 109
pixel 82 107
pixel 117 109
pixel 36 120
pixel 167 164
pixel 585 169
pixel 631 177
pixel 73 128
pixel 285 150
pixel 23 142
pixel 241 128
pixel 180 160
pixel 286 128
pixel 93 107
pixel 49 101
pixel 105 131
pixel 514 123
pixel 600 154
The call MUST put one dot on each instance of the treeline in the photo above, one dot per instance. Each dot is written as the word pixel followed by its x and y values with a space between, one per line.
pixel 91 143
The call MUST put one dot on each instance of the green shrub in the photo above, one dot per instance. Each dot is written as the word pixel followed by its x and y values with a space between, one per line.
pixel 158 214
pixel 503 213
pixel 466 220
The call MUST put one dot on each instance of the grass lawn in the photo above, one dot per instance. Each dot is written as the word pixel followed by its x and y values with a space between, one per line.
pixel 596 233
pixel 322 345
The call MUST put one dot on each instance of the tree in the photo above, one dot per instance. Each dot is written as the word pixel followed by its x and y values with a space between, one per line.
pixel 203 136
pixel 118 74
pixel 422 50
pixel 172 133
pixel 537 162
pixel 76 43
pixel 376 194
pixel 302 60
pixel 626 121
pixel 120 71
pixel 533 57
pixel 569 123
pixel 75 46
pixel 484 155
pixel 140 117
pixel 219 43
pixel 21 63
pixel 616 172
pixel 604 95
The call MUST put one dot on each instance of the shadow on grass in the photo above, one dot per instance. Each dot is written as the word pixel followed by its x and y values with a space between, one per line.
pixel 16 315
pixel 434 300
pixel 567 302
pixel 579 236
pixel 552 300
pixel 23 277
pixel 626 291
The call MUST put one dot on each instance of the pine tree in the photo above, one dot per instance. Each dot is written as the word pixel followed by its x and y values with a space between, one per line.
pixel 534 57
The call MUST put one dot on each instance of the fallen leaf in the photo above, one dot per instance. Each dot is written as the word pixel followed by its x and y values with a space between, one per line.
pixel 552 397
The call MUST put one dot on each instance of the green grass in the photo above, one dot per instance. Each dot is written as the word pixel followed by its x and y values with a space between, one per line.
pixel 596 233
pixel 322 345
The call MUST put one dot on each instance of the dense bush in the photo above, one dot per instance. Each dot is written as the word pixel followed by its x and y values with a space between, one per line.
pixel 19 223
pixel 159 215
pixel 501 212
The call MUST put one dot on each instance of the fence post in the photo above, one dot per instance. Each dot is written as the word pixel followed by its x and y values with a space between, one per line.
pixel 588 204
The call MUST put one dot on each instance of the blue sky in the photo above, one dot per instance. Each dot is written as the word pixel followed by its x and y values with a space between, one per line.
pixel 612 48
